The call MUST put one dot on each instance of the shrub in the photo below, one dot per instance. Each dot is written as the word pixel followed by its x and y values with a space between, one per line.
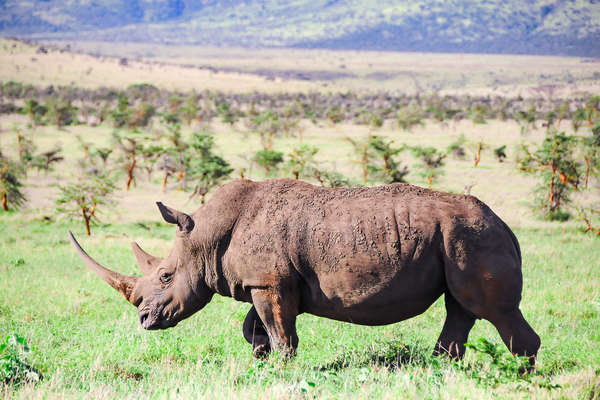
pixel 268 159
pixel 206 168
pixel 554 163
pixel 431 162
pixel 14 367
pixel 10 183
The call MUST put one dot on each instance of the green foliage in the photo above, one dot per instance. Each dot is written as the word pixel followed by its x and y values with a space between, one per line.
pixel 410 116
pixel 227 114
pixel 60 112
pixel 392 170
pixel 35 111
pixel 10 183
pixel 559 172
pixel 301 161
pixel 430 163
pixel 500 153
pixel 120 115
pixel 504 368
pixel 456 148
pixel 269 125
pixel 268 159
pixel 14 366
pixel 141 116
pixel 206 169
pixel 479 113
pixel 81 199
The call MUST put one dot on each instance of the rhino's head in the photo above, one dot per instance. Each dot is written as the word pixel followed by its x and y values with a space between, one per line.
pixel 171 288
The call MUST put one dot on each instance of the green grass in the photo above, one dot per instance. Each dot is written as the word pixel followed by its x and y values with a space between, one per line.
pixel 86 340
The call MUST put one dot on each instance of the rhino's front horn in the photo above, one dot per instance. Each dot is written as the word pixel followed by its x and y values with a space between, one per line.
pixel 146 261
pixel 123 283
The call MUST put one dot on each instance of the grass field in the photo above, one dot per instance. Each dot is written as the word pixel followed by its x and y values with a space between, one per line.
pixel 87 342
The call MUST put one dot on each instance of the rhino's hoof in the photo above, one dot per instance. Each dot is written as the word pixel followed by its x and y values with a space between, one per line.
pixel 261 351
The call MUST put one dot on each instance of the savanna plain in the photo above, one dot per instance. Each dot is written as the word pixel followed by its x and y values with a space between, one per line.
pixel 65 334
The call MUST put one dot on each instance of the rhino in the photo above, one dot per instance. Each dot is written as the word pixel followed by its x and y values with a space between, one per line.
pixel 367 255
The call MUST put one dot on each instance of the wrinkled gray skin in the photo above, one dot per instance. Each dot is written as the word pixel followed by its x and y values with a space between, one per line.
pixel 369 256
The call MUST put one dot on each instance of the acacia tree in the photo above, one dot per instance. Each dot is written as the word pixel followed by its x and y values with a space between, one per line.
pixel 10 183
pixel 301 161
pixel 206 169
pixel 410 116
pixel 477 148
pixel 366 154
pixel 82 198
pixel 130 147
pixel 392 170
pixel 456 148
pixel 553 161
pixel 500 153
pixel 268 159
pixel 431 162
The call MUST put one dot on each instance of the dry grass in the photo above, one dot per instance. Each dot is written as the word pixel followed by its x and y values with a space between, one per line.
pixel 185 68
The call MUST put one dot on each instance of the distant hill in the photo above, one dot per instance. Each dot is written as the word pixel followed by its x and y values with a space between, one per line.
pixel 567 27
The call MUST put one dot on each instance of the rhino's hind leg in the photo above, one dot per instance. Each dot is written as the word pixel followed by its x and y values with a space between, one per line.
pixel 256 334
pixel 456 329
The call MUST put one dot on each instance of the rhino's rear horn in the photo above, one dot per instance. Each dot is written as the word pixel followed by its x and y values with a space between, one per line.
pixel 146 261
pixel 183 221
pixel 123 283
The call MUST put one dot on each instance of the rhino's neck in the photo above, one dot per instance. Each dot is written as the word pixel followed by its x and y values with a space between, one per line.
pixel 215 222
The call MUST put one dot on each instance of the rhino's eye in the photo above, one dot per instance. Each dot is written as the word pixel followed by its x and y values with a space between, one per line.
pixel 165 277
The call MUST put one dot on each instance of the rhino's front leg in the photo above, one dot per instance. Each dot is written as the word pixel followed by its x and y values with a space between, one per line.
pixel 278 309
pixel 256 334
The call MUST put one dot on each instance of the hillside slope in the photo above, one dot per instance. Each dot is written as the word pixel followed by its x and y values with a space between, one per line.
pixel 569 27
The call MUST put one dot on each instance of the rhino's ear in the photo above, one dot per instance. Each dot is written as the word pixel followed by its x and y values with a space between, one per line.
pixel 183 221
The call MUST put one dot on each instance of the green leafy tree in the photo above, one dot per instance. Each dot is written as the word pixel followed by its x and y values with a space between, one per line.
pixel 131 147
pixel 500 153
pixel 554 163
pixel 578 118
pixel 479 113
pixel 457 148
pixel 526 118
pixel 60 112
pixel 330 178
pixel 430 163
pixel 120 115
pixel 82 198
pixel 35 111
pixel 392 170
pixel 10 183
pixel 141 116
pixel 268 159
pixel 410 116
pixel 367 156
pixel 190 109
pixel 301 161
pixel 206 169
pixel 227 114
pixel 590 149
pixel 268 125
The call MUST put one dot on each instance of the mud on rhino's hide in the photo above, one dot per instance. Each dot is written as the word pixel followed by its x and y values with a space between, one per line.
pixel 368 256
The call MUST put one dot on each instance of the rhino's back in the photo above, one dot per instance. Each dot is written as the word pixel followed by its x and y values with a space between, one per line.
pixel 366 255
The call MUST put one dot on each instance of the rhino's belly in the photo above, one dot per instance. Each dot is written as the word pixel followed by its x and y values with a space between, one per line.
pixel 375 294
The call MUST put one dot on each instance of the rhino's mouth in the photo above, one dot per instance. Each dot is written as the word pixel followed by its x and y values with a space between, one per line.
pixel 151 322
